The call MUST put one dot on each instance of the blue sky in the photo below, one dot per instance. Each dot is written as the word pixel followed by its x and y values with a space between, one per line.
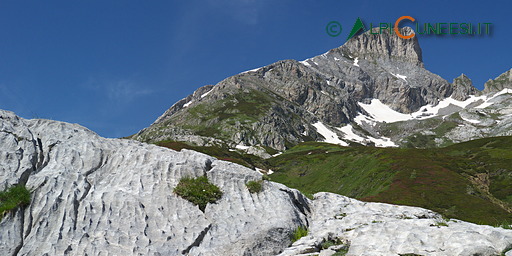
pixel 115 66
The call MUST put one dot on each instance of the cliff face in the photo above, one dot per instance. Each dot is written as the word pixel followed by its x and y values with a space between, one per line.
pixel 96 196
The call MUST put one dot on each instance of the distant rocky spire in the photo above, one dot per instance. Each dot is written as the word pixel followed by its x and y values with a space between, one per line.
pixel 463 88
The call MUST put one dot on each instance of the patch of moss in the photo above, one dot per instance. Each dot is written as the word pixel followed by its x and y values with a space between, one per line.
pixel 254 186
pixel 13 198
pixel 198 191
pixel 298 233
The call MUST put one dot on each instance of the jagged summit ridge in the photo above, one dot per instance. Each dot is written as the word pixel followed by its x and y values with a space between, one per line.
pixel 385 44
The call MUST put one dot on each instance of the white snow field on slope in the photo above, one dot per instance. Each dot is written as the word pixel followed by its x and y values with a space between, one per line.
pixel 380 112
pixel 351 136
pixel 330 136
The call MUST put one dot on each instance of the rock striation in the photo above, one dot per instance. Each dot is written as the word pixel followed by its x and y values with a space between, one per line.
pixel 97 196
pixel 92 196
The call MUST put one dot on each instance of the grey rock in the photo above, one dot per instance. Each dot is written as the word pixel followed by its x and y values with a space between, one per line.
pixel 97 196
pixel 501 82
pixel 463 88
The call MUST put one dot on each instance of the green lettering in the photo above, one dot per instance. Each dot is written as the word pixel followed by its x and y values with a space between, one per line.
pixel 383 26
pixel 463 28
pixel 371 29
pixel 453 29
pixel 440 28
pixel 418 30
pixel 431 28
pixel 487 28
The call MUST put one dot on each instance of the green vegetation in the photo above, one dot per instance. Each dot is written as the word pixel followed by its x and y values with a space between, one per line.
pixel 12 198
pixel 355 172
pixel 198 191
pixel 254 186
pixel 441 224
pixel 331 242
pixel 223 117
pixel 298 233
pixel 342 252
pixel 471 181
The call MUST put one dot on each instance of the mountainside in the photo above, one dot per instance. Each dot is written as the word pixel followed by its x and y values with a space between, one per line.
pixel 373 90
pixel 97 196
pixel 470 181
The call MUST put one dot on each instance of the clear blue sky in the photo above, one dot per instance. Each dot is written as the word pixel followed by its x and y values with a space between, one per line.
pixel 115 66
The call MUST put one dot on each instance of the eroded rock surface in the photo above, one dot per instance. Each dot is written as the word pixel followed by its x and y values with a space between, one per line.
pixel 97 196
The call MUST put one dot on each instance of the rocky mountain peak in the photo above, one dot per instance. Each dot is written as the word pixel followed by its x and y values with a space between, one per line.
pixel 463 88
pixel 501 82
pixel 386 45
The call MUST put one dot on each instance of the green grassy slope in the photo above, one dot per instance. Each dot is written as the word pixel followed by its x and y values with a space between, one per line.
pixel 471 181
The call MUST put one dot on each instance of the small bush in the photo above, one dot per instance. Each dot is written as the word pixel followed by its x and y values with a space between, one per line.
pixel 300 232
pixel 254 186
pixel 198 191
pixel 12 198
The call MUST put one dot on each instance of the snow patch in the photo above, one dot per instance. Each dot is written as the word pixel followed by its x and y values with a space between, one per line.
pixel 324 93
pixel 336 59
pixel 380 112
pixel 278 154
pixel 330 136
pixel 383 142
pixel 488 101
pixel 379 142
pixel 473 121
pixel 187 104
pixel 242 147
pixel 206 94
pixel 252 70
pixel 399 76
pixel 429 110
pixel 356 60
pixel 305 62
pixel 349 133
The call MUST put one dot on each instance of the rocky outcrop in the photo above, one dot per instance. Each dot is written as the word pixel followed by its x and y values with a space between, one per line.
pixel 92 196
pixel 463 88
pixel 501 82
pixel 97 196
pixel 340 223
pixel 385 45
